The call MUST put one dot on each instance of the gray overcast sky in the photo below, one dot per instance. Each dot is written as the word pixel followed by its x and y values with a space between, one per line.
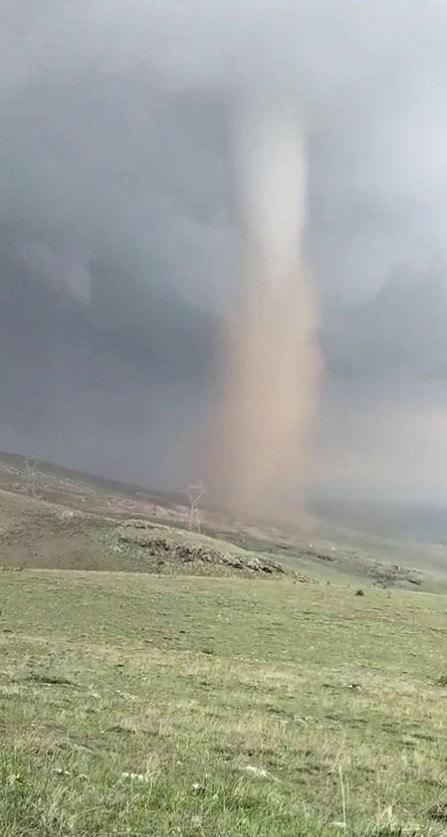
pixel 118 254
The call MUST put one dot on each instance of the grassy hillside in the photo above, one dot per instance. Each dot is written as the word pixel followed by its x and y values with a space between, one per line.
pixel 160 705
pixel 72 522
pixel 34 533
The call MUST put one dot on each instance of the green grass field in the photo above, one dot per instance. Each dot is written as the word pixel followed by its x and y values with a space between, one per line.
pixel 168 705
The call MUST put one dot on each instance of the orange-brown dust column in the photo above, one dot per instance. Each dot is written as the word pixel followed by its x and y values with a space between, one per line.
pixel 271 361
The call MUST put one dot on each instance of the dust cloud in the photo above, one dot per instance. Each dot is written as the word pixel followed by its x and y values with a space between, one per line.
pixel 271 360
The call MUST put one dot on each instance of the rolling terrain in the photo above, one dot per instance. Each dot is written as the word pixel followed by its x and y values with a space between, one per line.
pixel 69 520
pixel 239 681
pixel 159 705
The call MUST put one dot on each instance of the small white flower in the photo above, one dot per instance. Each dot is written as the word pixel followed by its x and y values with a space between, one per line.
pixel 139 777
pixel 198 788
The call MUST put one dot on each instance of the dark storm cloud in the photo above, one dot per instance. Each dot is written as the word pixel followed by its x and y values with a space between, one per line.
pixel 401 330
pixel 117 248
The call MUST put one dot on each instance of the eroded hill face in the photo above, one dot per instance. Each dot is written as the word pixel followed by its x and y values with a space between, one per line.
pixel 157 547
pixel 74 521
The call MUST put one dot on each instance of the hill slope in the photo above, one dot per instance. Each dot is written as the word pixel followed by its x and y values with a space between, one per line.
pixel 71 521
